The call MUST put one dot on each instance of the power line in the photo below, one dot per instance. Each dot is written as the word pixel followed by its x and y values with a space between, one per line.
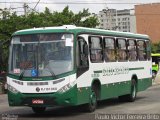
pixel 36 5
pixel 72 3
pixel 33 9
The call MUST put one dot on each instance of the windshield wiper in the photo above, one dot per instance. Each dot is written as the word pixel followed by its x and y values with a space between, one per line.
pixel 51 71
pixel 22 73
pixel 46 61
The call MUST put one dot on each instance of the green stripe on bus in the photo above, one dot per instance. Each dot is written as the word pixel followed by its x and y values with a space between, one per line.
pixel 99 71
pixel 140 68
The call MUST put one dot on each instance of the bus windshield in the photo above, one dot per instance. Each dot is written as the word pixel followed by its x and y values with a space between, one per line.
pixel 39 55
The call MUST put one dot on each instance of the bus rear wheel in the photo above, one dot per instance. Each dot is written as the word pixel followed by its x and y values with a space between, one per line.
pixel 38 110
pixel 91 106
pixel 133 93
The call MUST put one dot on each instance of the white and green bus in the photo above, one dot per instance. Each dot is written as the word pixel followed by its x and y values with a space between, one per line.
pixel 71 65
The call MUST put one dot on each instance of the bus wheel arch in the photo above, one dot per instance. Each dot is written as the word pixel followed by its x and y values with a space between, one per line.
pixel 135 78
pixel 134 88
pixel 96 85
pixel 94 95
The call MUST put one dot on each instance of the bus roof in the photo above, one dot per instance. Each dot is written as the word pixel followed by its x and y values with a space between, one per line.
pixel 72 28
pixel 155 54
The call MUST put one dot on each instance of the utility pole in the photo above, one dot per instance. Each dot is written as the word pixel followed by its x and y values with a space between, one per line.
pixel 110 15
pixel 117 27
pixel 25 6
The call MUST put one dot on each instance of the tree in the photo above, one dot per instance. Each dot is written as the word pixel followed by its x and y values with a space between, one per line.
pixel 155 48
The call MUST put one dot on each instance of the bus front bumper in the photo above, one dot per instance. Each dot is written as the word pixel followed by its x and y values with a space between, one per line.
pixel 67 98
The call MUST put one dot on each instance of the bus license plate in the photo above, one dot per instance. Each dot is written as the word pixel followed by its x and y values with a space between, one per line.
pixel 37 101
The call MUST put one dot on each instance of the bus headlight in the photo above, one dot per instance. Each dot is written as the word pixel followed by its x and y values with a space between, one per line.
pixel 12 89
pixel 66 87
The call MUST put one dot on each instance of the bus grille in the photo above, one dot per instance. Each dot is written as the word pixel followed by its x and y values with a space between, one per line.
pixel 37 83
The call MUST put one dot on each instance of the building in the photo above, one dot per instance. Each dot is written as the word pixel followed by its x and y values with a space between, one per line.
pixel 107 19
pixel 120 20
pixel 148 20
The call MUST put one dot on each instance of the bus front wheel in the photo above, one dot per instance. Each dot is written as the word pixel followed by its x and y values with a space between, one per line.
pixel 38 110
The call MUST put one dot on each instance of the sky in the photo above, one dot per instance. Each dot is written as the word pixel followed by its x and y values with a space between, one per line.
pixel 77 5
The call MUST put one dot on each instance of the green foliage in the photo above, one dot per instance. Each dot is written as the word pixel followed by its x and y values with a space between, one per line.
pixel 156 48
pixel 10 23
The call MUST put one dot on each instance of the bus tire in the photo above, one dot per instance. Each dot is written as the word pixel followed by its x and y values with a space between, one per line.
pixel 133 93
pixel 132 96
pixel 92 105
pixel 38 110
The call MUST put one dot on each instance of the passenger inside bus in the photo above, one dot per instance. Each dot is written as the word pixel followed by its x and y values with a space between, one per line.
pixel 122 55
pixel 132 53
pixel 96 55
pixel 110 55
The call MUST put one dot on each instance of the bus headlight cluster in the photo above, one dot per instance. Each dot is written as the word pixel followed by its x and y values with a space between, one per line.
pixel 66 87
pixel 12 89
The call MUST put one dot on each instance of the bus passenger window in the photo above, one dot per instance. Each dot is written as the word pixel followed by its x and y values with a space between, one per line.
pixel 96 51
pixel 109 49
pixel 132 52
pixel 148 50
pixel 141 50
pixel 122 49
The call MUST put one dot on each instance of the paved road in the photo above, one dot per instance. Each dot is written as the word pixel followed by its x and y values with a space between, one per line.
pixel 157 79
pixel 148 102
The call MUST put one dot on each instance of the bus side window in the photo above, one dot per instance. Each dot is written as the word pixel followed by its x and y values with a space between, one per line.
pixel 83 52
pixel 96 50
pixel 82 56
pixel 122 49
pixel 132 51
pixel 141 50
pixel 148 50
pixel 109 49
